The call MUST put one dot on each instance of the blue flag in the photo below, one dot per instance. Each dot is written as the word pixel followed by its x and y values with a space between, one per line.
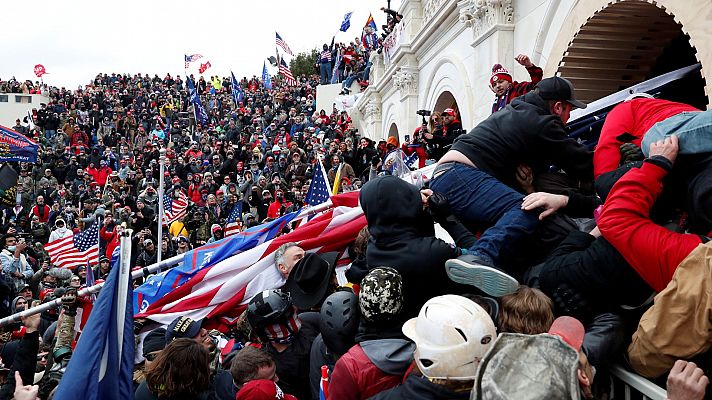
pixel 266 80
pixel 101 366
pixel 237 94
pixel 159 285
pixel 15 146
pixel 346 24
pixel 200 115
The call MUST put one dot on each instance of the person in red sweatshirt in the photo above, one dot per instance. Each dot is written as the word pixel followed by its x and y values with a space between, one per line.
pixel 674 264
pixel 627 123
pixel 416 145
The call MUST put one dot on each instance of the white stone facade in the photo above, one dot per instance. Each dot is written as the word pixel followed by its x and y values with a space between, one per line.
pixel 450 46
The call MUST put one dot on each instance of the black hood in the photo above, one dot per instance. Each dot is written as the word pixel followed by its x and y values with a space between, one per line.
pixel 394 210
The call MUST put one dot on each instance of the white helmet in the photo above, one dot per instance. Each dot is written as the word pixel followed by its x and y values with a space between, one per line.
pixel 451 334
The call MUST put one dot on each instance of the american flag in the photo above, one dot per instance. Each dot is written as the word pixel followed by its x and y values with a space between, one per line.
pixel 288 77
pixel 318 192
pixel 76 250
pixel 283 45
pixel 190 58
pixel 204 67
pixel 221 291
pixel 174 209
pixel 232 227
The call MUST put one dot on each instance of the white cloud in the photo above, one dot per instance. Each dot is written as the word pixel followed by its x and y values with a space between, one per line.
pixel 75 40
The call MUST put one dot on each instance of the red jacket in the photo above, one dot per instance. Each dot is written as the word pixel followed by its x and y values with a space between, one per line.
pixel 112 240
pixel 653 251
pixel 416 148
pixel 635 117
pixel 43 215
pixel 355 377
pixel 100 175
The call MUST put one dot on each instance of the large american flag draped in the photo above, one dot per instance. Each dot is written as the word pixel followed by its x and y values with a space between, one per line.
pixel 283 45
pixel 190 58
pixel 76 250
pixel 319 188
pixel 231 226
pixel 174 209
pixel 288 77
pixel 220 292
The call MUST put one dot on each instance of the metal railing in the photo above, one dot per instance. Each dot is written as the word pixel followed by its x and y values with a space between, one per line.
pixel 631 386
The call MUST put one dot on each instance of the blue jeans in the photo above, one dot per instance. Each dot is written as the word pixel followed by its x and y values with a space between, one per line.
pixel 325 70
pixel 694 129
pixel 50 134
pixel 477 198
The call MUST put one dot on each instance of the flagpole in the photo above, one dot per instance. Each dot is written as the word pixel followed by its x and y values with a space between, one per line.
pixel 123 283
pixel 161 211
pixel 136 274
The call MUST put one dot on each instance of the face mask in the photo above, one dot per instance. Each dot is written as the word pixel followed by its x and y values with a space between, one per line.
pixel 12 248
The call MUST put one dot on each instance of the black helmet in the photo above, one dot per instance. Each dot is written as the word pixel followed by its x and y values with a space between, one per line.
pixel 269 307
pixel 339 321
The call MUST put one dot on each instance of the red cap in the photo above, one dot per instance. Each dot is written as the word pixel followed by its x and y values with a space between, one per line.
pixel 262 389
pixel 449 111
pixel 570 330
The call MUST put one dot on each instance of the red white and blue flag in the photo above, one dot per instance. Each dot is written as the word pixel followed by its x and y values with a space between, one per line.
pixel 288 77
pixel 174 209
pixel 283 45
pixel 76 250
pixel 190 58
pixel 232 225
pixel 220 291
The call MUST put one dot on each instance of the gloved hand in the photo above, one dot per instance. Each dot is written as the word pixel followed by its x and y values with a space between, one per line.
pixel 439 207
pixel 631 153
pixel 69 302
pixel 569 301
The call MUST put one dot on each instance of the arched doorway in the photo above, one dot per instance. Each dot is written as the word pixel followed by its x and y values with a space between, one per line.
pixel 446 100
pixel 626 43
pixel 393 131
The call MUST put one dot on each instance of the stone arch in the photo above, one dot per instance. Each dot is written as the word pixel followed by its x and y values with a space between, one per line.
pixel 604 46
pixel 449 76
pixel 391 123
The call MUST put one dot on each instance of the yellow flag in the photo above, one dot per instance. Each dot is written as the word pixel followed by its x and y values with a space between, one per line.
pixel 337 181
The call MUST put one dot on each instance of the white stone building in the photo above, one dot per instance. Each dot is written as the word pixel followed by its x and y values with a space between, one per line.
pixel 442 53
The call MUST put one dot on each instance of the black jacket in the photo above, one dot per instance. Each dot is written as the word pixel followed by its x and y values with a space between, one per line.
pixel 25 362
pixel 403 237
pixel 524 132
pixel 420 388
pixel 595 269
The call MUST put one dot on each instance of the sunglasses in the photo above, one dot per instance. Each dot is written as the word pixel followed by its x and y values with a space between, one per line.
pixel 150 356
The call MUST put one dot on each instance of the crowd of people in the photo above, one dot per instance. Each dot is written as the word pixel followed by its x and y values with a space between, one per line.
pixel 565 258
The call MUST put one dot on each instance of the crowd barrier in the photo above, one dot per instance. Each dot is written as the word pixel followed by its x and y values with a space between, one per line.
pixel 628 385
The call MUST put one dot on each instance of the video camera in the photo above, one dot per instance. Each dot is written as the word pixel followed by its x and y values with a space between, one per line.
pixel 423 114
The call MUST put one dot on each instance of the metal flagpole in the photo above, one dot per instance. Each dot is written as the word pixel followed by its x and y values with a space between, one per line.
pixel 139 273
pixel 123 283
pixel 161 211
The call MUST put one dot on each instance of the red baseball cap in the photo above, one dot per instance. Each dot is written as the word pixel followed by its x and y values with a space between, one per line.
pixel 262 389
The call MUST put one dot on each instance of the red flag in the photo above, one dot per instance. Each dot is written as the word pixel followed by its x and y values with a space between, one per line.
pixel 221 292
pixel 40 70
pixel 204 67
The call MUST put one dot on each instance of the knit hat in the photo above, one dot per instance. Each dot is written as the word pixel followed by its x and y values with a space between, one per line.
pixel 214 228
pixel 154 341
pixel 381 295
pixel 499 72
pixel 392 140
pixel 262 389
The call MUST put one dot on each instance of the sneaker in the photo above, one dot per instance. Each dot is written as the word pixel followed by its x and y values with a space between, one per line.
pixel 472 270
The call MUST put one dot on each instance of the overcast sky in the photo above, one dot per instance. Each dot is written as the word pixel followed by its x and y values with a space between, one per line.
pixel 77 39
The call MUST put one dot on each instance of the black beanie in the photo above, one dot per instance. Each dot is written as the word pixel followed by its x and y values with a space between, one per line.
pixel 154 341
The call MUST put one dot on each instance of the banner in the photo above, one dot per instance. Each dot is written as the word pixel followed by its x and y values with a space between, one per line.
pixel 15 146
pixel 8 185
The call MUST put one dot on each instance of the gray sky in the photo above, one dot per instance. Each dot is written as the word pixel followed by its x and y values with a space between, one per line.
pixel 76 39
